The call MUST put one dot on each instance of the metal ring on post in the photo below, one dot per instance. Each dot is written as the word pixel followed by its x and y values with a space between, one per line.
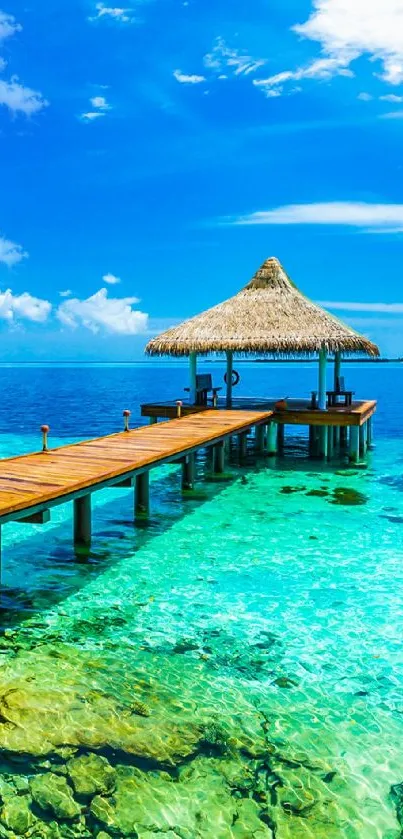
pixel 179 408
pixel 45 430
pixel 126 415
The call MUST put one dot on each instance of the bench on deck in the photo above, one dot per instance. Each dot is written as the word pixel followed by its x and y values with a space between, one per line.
pixel 334 395
pixel 204 386
pixel 340 391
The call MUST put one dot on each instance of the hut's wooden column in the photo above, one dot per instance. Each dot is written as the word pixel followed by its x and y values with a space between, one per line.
pixel 322 380
pixel 229 378
pixel 337 368
pixel 192 377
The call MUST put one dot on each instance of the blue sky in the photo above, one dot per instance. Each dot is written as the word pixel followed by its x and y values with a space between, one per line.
pixel 152 155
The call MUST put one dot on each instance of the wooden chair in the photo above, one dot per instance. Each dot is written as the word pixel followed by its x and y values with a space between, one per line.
pixel 204 386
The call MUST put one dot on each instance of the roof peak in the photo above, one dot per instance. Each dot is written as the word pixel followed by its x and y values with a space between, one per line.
pixel 270 275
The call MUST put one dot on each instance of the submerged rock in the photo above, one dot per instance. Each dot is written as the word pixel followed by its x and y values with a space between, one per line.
pixel 348 496
pixel 91 774
pixel 16 814
pixel 53 794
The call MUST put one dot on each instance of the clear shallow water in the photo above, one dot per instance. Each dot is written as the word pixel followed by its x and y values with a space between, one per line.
pixel 238 662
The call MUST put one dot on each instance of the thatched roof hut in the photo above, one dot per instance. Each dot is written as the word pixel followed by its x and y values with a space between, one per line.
pixel 270 316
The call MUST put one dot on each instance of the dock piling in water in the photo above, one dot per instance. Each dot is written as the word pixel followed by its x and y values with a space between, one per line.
pixel 82 521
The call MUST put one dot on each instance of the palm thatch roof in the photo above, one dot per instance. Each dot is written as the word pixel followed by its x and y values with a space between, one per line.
pixel 270 316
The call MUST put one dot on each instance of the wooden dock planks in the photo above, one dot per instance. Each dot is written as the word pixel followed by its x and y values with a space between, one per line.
pixel 31 481
pixel 356 414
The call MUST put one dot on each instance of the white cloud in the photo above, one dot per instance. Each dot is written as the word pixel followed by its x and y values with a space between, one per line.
pixel 23 306
pixel 321 68
pixel 101 313
pixel 111 279
pixel 66 293
pixel 91 115
pixel 8 26
pixel 3 64
pixel 393 115
pixel 391 97
pixel 100 103
pixel 183 78
pixel 10 252
pixel 223 58
pixel 347 306
pixel 347 30
pixel 20 99
pixel 365 97
pixel 386 218
pixel 112 13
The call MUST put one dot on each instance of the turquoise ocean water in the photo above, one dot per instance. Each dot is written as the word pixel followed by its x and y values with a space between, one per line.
pixel 232 669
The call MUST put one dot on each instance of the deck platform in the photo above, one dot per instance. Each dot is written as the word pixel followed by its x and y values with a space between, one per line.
pixel 32 483
pixel 297 413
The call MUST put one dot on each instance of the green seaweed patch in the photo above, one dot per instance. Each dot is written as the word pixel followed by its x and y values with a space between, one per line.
pixel 194 495
pixel 285 682
pixel 318 493
pixel 289 490
pixel 218 477
pixel 348 497
pixel 346 473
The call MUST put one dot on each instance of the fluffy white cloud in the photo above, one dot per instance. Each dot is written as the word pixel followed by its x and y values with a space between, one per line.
pixel 376 217
pixel 23 307
pixel 223 57
pixel 8 26
pixel 101 313
pixel 66 293
pixel 20 99
pixel 347 306
pixel 100 105
pixel 183 78
pixel 112 13
pixel 111 279
pixel 346 30
pixel 365 97
pixel 10 252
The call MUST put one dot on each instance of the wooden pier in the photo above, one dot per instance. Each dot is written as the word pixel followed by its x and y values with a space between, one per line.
pixel 30 485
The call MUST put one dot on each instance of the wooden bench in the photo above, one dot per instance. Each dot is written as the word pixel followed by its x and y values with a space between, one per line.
pixel 204 386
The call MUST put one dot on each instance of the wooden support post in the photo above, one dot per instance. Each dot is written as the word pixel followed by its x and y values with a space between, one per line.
pixel 218 458
pixel 82 521
pixel 272 439
pixel 363 439
pixel 243 444
pixel 313 441
pixel 229 378
pixel 259 438
pixel 343 436
pixel 336 436
pixel 354 449
pixel 142 496
pixel 370 434
pixel 330 440
pixel 280 436
pixel 188 472
pixel 322 380
pixel 323 437
pixel 192 377
pixel 337 367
